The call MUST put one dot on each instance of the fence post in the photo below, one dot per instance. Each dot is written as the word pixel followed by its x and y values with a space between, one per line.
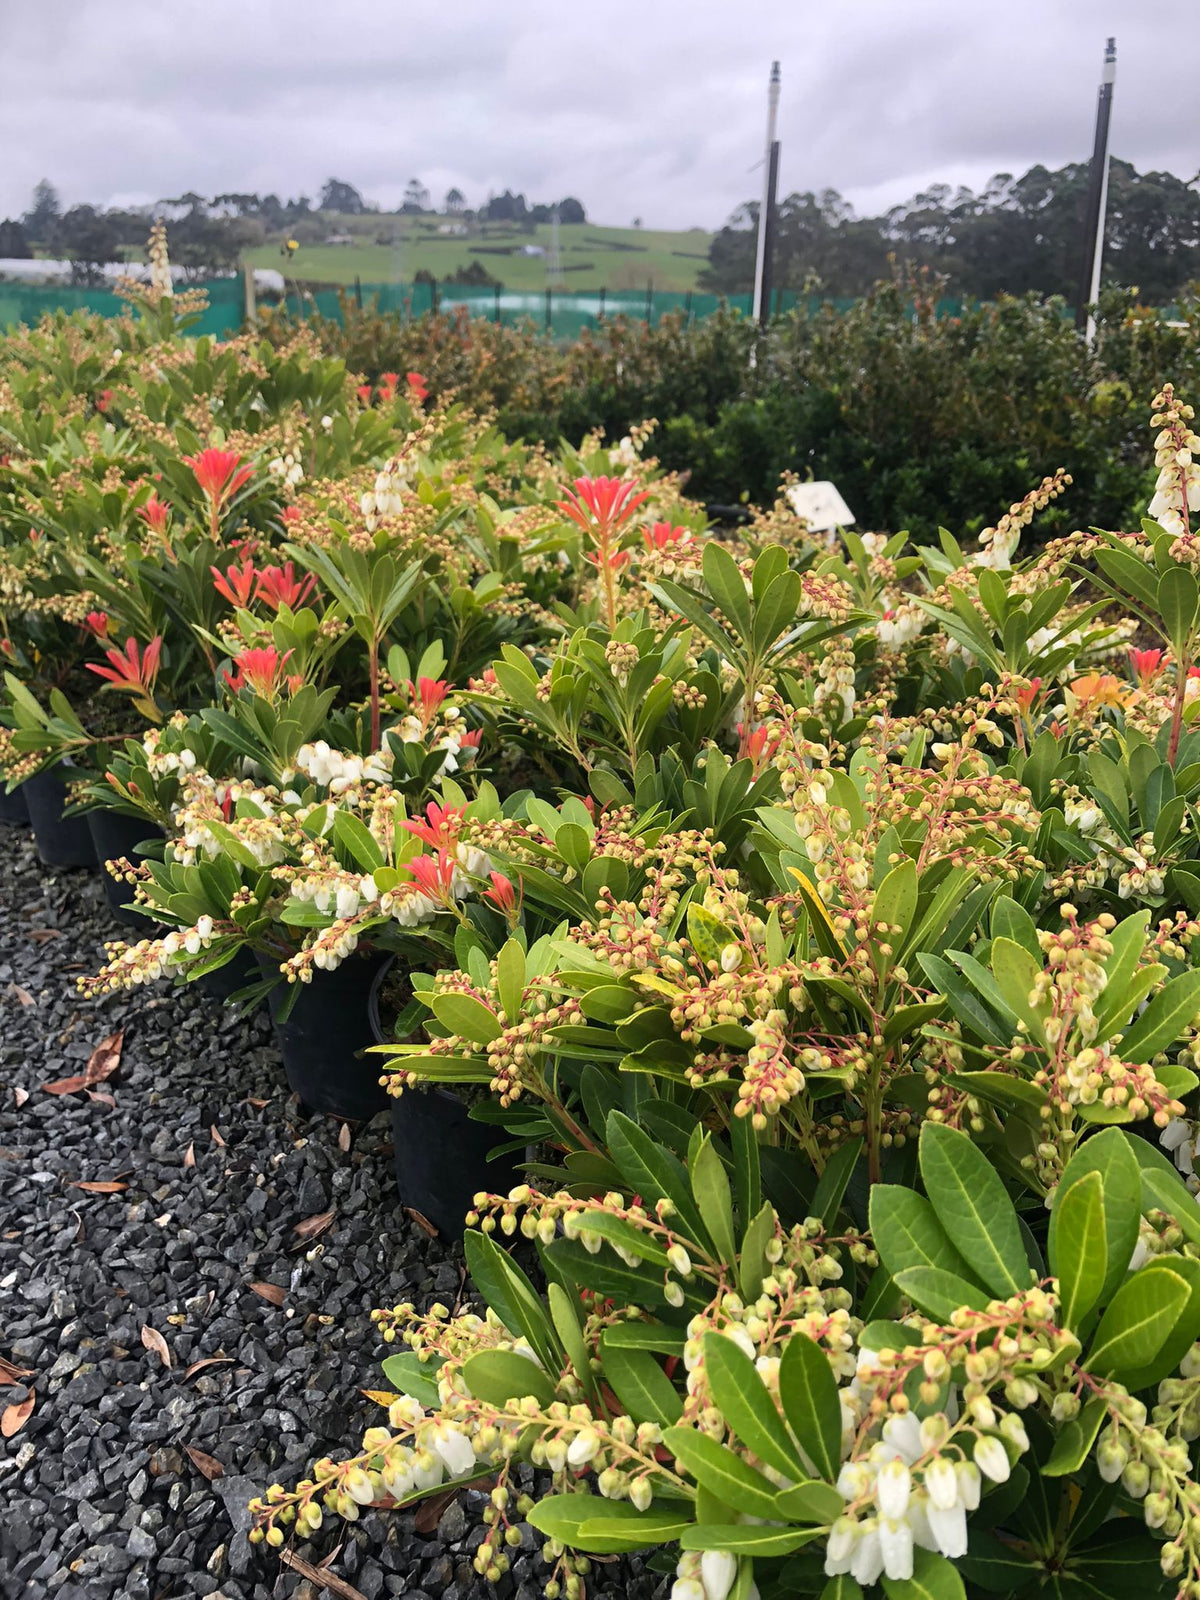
pixel 600 314
pixel 549 315
pixel 433 296
pixel 358 290
pixel 687 310
pixel 496 293
pixel 249 301
pixel 649 301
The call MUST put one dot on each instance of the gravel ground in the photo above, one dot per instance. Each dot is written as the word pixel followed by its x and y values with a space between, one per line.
pixel 217 1166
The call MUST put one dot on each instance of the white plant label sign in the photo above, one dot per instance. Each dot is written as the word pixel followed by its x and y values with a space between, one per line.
pixel 821 506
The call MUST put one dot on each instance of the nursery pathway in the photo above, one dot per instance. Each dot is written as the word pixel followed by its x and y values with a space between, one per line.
pixel 131 1473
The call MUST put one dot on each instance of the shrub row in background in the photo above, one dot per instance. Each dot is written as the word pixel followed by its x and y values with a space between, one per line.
pixel 918 421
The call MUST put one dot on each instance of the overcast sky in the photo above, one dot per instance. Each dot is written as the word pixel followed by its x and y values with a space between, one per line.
pixel 654 110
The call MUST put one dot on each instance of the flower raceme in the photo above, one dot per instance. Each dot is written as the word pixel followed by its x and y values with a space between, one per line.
pixel 279 586
pixel 236 583
pixel 98 623
pixel 440 828
pixel 602 507
pixel 1147 665
pixel 156 514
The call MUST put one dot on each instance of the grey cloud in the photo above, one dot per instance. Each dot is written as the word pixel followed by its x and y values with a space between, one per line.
pixel 655 110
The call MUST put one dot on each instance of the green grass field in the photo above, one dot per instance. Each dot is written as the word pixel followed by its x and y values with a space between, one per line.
pixel 592 258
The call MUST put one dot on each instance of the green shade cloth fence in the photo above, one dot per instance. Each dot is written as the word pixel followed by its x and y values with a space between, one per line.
pixel 562 313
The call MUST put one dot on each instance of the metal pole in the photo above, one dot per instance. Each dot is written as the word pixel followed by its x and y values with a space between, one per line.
pixel 767 202
pixel 649 300
pixel 497 299
pixel 768 237
pixel 358 290
pixel 549 318
pixel 687 310
pixel 600 313
pixel 1097 201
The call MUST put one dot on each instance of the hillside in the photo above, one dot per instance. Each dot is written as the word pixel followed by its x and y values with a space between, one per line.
pixel 393 249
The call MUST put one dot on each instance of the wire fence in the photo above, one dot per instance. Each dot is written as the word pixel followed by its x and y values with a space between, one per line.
pixel 560 313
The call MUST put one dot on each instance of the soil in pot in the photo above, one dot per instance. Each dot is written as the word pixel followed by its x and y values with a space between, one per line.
pixel 115 834
pixel 61 841
pixel 13 810
pixel 323 1035
pixel 441 1151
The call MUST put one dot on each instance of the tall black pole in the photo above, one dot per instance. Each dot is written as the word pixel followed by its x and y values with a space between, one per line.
pixel 766 217
pixel 764 312
pixel 1097 200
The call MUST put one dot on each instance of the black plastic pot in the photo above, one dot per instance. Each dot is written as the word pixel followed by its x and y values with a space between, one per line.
pixel 114 834
pixel 441 1152
pixel 234 975
pixel 13 809
pixel 321 1039
pixel 61 841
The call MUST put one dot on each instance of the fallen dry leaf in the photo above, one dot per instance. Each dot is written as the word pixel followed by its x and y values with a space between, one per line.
pixel 23 995
pixel 322 1578
pixel 20 1096
pixel 153 1340
pixel 110 1186
pixel 44 935
pixel 312 1227
pixel 79 1227
pixel 206 1361
pixel 102 1063
pixel 104 1099
pixel 13 1374
pixel 257 1104
pixel 203 1463
pixel 216 1138
pixel 381 1397
pixel 14 1417
pixel 344 1136
pixel 429 1513
pixel 271 1292
pixel 189 1155
pixel 422 1222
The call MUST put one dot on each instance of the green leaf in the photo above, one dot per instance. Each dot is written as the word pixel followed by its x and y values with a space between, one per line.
pixel 752 1262
pixel 843 1587
pixel 1139 1320
pixel 1178 596
pixel 710 1186
pixel 939 1293
pixel 738 1391
pixel 408 1374
pixel 727 587
pixel 934 1578
pixel 466 1017
pixel 607 1527
pixel 722 1471
pixel 742 1539
pixel 907 1233
pixel 972 1205
pixel 747 1173
pixel 1111 1155
pixel 1076 1438
pixel 1164 1019
pixel 495 1376
pixel 357 840
pixel 814 1501
pixel 510 980
pixel 1078 1247
pixel 565 1316
pixel 511 1295
pixel 808 1393
pixel 653 1173
pixel 831 1186
pixel 1016 972
pixel 640 1384
pixel 896 902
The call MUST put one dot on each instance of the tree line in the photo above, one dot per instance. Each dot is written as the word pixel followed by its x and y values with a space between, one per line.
pixel 1015 235
pixel 210 233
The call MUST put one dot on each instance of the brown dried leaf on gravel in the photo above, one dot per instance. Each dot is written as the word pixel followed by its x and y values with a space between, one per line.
pixel 344 1136
pixel 429 1512
pixel 216 1138
pixel 422 1222
pixel 102 1063
pixel 311 1227
pixel 10 1373
pixel 20 1096
pixel 23 995
pixel 322 1578
pixel 153 1340
pixel 110 1186
pixel 44 935
pixel 204 1463
pixel 271 1292
pixel 14 1417
pixel 189 1155
pixel 207 1361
